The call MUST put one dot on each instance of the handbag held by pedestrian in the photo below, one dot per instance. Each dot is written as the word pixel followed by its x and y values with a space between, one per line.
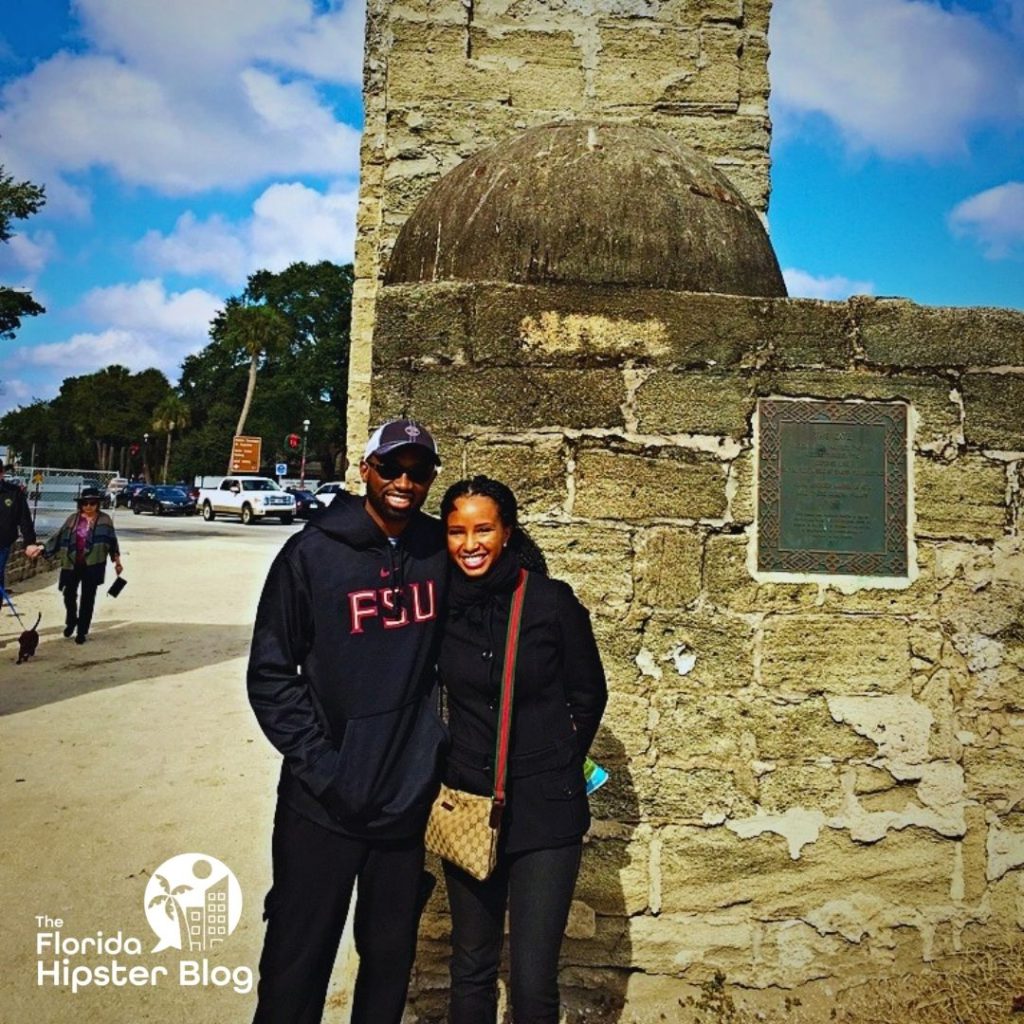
pixel 463 828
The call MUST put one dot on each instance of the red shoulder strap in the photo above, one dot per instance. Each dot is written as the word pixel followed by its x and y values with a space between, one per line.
pixel 508 678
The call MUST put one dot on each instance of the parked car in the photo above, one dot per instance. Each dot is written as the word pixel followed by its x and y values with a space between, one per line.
pixel 114 488
pixel 125 495
pixel 306 502
pixel 163 500
pixel 325 492
pixel 251 498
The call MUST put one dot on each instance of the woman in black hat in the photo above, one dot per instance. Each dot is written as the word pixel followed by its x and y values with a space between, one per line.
pixel 84 543
pixel 559 697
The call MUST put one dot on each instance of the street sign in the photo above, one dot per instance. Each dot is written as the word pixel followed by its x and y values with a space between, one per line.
pixel 281 469
pixel 245 454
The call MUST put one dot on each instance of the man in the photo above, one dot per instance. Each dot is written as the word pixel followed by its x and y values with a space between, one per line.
pixel 340 678
pixel 14 516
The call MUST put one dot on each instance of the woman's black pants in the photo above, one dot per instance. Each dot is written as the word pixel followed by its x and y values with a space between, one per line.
pixel 78 614
pixel 314 872
pixel 537 888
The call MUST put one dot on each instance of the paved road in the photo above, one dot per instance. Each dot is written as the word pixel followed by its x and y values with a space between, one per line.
pixel 132 749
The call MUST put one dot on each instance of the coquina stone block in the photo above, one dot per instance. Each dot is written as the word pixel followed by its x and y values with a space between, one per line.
pixel 699 652
pixel 835 654
pixel 729 585
pixel 716 729
pixel 964 498
pixel 711 868
pixel 625 730
pixel 535 471
pixel 992 402
pixel 595 562
pixel 645 64
pixel 667 567
pixel 895 332
pixel 503 398
pixel 614 874
pixel 674 484
pixel 695 403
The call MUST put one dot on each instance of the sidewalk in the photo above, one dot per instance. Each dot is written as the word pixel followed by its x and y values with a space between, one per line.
pixel 127 751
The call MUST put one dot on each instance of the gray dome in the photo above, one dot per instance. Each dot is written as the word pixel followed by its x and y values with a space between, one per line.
pixel 588 203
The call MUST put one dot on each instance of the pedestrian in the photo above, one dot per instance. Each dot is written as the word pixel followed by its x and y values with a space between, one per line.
pixel 559 695
pixel 84 543
pixel 341 680
pixel 14 517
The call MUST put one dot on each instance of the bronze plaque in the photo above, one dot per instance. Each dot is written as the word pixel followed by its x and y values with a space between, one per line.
pixel 832 488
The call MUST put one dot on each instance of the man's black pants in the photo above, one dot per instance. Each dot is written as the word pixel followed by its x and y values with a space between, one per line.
pixel 537 887
pixel 314 872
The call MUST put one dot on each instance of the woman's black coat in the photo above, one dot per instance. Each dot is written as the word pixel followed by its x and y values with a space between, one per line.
pixel 560 694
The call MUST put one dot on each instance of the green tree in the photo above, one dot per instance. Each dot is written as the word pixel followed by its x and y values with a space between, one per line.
pixel 261 332
pixel 170 415
pixel 308 379
pixel 18 200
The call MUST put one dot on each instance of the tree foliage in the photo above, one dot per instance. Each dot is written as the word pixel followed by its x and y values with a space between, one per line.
pixel 307 379
pixel 300 316
pixel 91 421
pixel 18 200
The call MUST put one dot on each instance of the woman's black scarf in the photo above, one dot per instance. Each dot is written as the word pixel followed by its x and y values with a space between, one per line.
pixel 469 596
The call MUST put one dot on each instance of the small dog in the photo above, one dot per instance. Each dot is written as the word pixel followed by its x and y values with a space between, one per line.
pixel 29 641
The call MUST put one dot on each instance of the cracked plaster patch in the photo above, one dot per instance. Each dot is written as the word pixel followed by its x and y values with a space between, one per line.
pixel 798 826
pixel 1005 849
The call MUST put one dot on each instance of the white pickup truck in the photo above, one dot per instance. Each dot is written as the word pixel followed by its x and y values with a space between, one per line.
pixel 249 497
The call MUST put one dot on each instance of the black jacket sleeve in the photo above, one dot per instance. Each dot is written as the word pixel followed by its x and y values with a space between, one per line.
pixel 585 689
pixel 279 695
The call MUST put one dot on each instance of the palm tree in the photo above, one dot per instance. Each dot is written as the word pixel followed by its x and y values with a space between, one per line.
pixel 170 415
pixel 260 331
pixel 173 908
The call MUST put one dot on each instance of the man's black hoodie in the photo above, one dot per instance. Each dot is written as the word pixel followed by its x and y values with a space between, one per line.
pixel 341 667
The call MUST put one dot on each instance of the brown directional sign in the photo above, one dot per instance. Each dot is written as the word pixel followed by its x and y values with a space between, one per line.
pixel 832 487
pixel 245 454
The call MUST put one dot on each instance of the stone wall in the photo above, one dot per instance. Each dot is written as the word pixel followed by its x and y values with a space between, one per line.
pixel 446 78
pixel 810 787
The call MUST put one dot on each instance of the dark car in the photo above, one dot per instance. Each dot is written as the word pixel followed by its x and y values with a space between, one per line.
pixel 305 502
pixel 164 500
pixel 125 495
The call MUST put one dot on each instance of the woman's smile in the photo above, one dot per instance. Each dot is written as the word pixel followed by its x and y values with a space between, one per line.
pixel 476 534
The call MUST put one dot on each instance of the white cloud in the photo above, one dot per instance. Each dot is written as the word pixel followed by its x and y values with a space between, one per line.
pixel 802 285
pixel 289 222
pixel 25 256
pixel 994 218
pixel 240 107
pixel 14 392
pixel 902 77
pixel 141 325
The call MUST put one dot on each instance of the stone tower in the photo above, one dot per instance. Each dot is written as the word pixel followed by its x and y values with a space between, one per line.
pixel 797 524
pixel 446 78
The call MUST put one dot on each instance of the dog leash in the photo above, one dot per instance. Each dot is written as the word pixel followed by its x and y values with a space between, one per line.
pixel 10 604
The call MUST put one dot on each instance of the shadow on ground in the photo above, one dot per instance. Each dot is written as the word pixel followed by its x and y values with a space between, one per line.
pixel 117 653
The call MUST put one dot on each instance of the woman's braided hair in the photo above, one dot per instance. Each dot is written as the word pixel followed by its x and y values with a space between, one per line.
pixel 521 545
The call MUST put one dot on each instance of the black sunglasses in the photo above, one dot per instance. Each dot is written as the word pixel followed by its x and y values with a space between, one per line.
pixel 391 469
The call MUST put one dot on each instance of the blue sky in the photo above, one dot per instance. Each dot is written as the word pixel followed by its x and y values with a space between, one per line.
pixel 184 145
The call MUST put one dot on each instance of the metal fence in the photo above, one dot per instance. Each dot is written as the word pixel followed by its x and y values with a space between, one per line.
pixel 56 490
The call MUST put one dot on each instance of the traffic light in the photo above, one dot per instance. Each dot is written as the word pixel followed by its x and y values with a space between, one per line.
pixel 134 449
pixel 293 441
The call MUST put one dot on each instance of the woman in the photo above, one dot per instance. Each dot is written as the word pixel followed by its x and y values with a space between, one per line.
pixel 85 542
pixel 559 696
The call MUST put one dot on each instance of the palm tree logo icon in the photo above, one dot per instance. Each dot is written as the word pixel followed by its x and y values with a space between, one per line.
pixel 193 902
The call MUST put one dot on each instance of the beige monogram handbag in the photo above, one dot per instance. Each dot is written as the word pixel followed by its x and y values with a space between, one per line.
pixel 463 827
